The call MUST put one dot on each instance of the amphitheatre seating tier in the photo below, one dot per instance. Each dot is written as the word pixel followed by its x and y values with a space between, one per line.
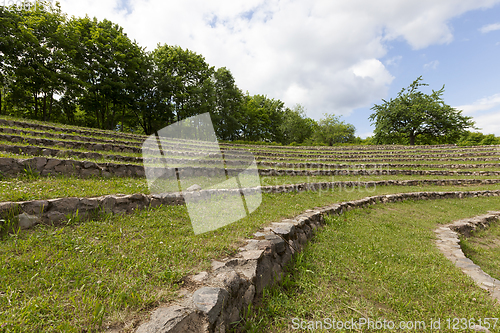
pixel 60 209
pixel 12 167
pixel 68 129
pixel 50 149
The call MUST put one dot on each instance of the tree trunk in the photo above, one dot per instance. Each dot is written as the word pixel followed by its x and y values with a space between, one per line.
pixel 36 105
pixel 44 109
pixel 50 105
pixel 412 139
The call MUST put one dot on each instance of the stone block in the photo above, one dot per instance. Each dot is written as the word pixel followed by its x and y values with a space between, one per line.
pixel 175 319
pixel 210 302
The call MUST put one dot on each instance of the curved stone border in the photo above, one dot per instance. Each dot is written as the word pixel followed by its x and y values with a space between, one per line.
pixel 224 293
pixel 449 244
pixel 328 166
pixel 30 213
pixel 362 147
pixel 386 160
pixel 94 131
pixel 12 167
pixel 69 136
pixel 349 156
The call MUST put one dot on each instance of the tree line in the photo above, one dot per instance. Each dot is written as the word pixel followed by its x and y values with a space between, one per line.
pixel 86 72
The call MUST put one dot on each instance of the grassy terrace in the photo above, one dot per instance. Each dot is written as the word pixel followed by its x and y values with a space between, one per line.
pixel 41 133
pixel 68 128
pixel 36 188
pixel 109 272
pixel 381 263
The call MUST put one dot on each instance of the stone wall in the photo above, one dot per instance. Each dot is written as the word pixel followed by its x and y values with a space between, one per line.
pixel 223 294
pixel 57 210
pixel 45 127
pixel 449 243
pixel 13 167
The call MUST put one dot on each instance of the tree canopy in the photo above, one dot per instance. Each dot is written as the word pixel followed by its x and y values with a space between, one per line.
pixel 87 72
pixel 414 116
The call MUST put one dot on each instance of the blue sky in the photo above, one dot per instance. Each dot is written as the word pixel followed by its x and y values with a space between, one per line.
pixel 468 66
pixel 340 56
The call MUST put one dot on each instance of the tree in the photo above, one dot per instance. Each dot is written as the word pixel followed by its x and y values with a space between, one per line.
pixel 414 115
pixel 331 130
pixel 260 118
pixel 34 57
pixel 184 80
pixel 228 105
pixel 296 127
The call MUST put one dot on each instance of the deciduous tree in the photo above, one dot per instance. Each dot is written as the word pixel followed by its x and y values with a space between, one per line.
pixel 413 115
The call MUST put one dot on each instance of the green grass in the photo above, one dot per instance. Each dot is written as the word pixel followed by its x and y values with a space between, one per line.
pixel 37 188
pixel 97 137
pixel 280 180
pixel 113 270
pixel 30 187
pixel 71 127
pixel 483 248
pixel 379 263
pixel 100 160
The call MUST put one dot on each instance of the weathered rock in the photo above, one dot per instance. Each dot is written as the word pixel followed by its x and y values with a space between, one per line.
pixel 26 221
pixel 175 319
pixel 194 187
pixel 210 301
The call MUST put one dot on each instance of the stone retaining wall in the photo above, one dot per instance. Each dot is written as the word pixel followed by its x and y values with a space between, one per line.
pixel 12 167
pixel 50 152
pixel 372 172
pixel 335 155
pixel 57 210
pixel 121 147
pixel 42 127
pixel 328 166
pixel 449 244
pixel 223 294
pixel 68 136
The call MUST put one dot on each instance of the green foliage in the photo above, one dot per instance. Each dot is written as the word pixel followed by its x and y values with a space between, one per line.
pixel 260 119
pixel 477 139
pixel 296 127
pixel 330 130
pixel 87 72
pixel 414 116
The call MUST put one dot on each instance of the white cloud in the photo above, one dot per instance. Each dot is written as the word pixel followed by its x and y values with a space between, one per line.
pixel 490 27
pixel 394 61
pixel 366 134
pixel 486 114
pixel 489 123
pixel 432 65
pixel 323 54
pixel 483 104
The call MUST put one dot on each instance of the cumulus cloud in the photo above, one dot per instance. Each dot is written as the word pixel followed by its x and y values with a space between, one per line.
pixel 488 123
pixel 483 104
pixel 486 113
pixel 322 54
pixel 490 27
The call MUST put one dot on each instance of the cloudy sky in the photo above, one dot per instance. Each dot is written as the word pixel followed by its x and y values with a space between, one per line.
pixel 331 56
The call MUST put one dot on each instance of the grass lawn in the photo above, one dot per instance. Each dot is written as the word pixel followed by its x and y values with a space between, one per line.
pixel 111 271
pixel 27 187
pixel 379 263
